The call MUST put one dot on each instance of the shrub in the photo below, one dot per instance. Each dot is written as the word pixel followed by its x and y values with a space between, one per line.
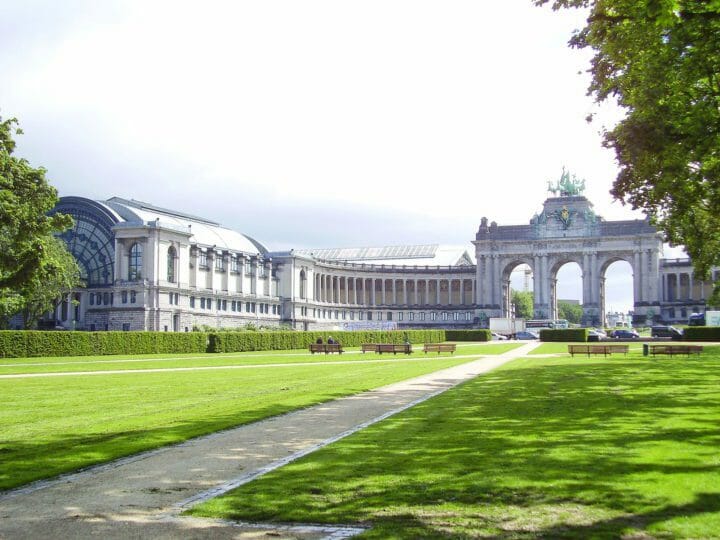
pixel 468 335
pixel 285 340
pixel 702 333
pixel 564 334
pixel 27 343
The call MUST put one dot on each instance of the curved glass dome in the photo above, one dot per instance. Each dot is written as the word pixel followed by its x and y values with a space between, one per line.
pixel 90 240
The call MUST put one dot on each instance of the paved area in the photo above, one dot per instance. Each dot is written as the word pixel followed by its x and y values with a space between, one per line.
pixel 141 496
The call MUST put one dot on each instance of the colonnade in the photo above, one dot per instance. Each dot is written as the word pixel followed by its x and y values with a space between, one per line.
pixel 393 291
pixel 682 286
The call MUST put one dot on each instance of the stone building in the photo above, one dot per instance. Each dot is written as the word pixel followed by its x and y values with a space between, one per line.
pixel 150 268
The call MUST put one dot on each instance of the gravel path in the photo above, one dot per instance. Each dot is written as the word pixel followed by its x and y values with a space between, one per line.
pixel 141 496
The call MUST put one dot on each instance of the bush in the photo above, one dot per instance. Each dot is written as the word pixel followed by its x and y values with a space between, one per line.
pixel 702 333
pixel 285 340
pixel 28 343
pixel 564 334
pixel 468 335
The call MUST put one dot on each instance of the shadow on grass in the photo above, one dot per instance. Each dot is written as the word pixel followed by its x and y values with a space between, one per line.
pixel 584 448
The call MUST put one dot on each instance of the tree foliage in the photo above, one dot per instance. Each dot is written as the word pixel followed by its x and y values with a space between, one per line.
pixel 660 59
pixel 31 259
pixel 570 311
pixel 523 301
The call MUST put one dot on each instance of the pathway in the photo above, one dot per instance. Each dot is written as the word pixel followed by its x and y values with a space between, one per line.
pixel 141 496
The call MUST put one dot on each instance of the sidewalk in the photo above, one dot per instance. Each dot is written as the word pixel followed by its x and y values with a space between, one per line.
pixel 141 496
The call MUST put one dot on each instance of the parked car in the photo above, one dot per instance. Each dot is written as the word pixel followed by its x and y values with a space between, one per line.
pixel 624 334
pixel 498 337
pixel 527 335
pixel 666 331
pixel 696 319
pixel 595 334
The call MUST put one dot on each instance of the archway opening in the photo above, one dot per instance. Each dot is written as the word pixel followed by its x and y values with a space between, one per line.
pixel 519 291
pixel 616 294
pixel 566 293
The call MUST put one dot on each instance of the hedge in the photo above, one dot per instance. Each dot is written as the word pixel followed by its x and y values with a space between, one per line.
pixel 701 333
pixel 468 335
pixel 564 334
pixel 266 341
pixel 28 343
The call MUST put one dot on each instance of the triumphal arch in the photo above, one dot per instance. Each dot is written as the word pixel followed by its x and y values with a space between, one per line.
pixel 567 230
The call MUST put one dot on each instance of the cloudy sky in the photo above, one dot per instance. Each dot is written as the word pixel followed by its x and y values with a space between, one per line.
pixel 311 123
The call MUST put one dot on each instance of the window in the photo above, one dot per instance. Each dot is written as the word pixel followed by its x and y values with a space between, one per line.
pixel 467 316
pixel 433 316
pixel 389 316
pixel 360 315
pixel 232 305
pixel 303 284
pixel 219 262
pixel 400 316
pixel 352 315
pixel 456 316
pixel 171 257
pixel 247 307
pixel 202 260
pixel 192 302
pixel 106 299
pixel 369 315
pixel 136 262
pixel 92 299
pixel 202 303
pixel 411 316
pixel 208 303
pixel 235 264
pixel 262 270
pixel 123 297
pixel 224 304
pixel 422 316
pixel 126 327
pixel 133 297
pixel 379 316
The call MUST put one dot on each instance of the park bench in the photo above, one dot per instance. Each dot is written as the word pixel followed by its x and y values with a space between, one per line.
pixel 326 348
pixel 387 348
pixel 439 347
pixel 675 349
pixel 605 350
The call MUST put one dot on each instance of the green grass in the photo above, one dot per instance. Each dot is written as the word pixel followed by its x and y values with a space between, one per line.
pixel 9 366
pixel 541 448
pixel 51 425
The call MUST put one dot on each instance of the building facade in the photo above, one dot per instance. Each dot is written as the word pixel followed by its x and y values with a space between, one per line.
pixel 150 268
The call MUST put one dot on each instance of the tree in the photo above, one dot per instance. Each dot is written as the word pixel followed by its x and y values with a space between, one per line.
pixel 523 301
pixel 29 254
pixel 570 311
pixel 660 60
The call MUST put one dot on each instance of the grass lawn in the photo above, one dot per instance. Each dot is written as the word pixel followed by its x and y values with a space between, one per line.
pixel 10 366
pixel 541 448
pixel 55 424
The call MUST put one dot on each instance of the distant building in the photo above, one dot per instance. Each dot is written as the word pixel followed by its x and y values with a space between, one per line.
pixel 150 268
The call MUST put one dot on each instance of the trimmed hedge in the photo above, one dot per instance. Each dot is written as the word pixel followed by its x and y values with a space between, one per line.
pixel 701 333
pixel 267 341
pixel 564 334
pixel 28 343
pixel 468 335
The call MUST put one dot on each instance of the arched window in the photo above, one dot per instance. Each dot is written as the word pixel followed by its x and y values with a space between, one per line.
pixel 171 256
pixel 303 284
pixel 135 268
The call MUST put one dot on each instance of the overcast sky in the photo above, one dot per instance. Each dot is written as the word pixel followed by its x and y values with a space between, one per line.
pixel 311 123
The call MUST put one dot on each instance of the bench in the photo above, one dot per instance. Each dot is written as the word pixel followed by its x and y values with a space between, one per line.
pixel 387 348
pixel 326 348
pixel 596 349
pixel 439 347
pixel 675 349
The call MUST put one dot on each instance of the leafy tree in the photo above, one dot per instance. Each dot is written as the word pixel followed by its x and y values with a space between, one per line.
pixel 572 312
pixel 28 252
pixel 660 59
pixel 523 301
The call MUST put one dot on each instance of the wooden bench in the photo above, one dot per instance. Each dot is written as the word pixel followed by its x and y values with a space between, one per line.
pixel 326 348
pixel 387 348
pixel 596 349
pixel 675 349
pixel 439 347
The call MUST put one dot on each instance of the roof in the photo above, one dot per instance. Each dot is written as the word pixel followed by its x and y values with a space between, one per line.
pixel 409 255
pixel 204 232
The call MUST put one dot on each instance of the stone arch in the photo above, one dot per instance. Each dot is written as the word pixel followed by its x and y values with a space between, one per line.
pixel 505 294
pixel 556 263
pixel 604 264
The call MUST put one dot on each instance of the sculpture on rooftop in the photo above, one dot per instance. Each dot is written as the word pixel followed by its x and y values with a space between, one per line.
pixel 567 186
